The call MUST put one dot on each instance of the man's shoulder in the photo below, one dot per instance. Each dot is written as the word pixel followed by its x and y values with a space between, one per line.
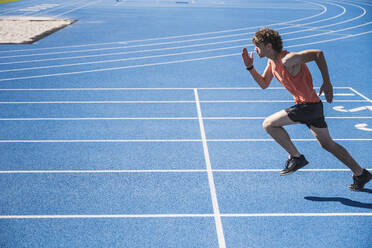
pixel 292 59
pixel 287 54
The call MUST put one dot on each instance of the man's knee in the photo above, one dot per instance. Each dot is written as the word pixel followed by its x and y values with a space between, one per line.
pixel 276 120
pixel 267 124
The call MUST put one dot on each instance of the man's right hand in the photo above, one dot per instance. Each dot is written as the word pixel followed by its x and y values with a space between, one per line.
pixel 248 60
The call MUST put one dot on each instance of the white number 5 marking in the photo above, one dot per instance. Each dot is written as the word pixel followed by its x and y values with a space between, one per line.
pixel 342 109
pixel 363 126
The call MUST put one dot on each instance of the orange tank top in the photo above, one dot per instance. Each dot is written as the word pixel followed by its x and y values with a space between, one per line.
pixel 300 86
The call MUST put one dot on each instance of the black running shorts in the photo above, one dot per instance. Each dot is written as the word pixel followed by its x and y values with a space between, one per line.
pixel 310 114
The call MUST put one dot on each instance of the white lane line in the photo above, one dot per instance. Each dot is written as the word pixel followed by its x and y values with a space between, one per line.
pixel 262 118
pixel 102 141
pixel 163 43
pixel 119 68
pixel 170 62
pixel 329 40
pixel 271 140
pixel 94 102
pixel 361 95
pixel 140 89
pixel 216 209
pixel 350 117
pixel 122 216
pixel 20 69
pixel 118 53
pixel 277 170
pixel 171 42
pixel 324 10
pixel 172 54
pixel 168 140
pixel 146 102
pixel 156 56
pixel 77 8
pixel 54 8
pixel 298 214
pixel 157 118
pixel 364 3
pixel 105 216
pixel 121 60
pixel 138 51
pixel 330 31
pixel 129 52
pixel 364 12
pixel 8 10
pixel 99 118
pixel 323 20
pixel 342 94
pixel 158 171
pixel 61 6
pixel 342 37
pixel 97 171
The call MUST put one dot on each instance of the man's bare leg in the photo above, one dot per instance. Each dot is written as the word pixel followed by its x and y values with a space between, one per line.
pixel 273 125
pixel 326 142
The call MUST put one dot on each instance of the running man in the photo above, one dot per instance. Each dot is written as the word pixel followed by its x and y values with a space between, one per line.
pixel 291 71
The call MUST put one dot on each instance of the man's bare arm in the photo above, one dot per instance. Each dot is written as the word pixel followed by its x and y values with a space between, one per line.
pixel 293 59
pixel 262 80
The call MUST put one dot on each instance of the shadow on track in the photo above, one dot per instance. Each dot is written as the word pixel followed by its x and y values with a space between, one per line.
pixel 343 201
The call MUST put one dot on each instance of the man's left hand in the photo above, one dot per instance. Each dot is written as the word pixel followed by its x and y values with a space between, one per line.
pixel 327 88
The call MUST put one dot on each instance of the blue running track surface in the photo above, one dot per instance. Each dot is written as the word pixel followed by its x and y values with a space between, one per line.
pixel 138 126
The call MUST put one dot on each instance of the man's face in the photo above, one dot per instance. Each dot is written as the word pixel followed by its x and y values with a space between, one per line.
pixel 262 49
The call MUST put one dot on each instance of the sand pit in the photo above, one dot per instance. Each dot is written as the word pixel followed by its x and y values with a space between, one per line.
pixel 26 30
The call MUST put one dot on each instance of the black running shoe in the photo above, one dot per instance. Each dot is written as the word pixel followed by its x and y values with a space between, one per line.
pixel 360 181
pixel 294 164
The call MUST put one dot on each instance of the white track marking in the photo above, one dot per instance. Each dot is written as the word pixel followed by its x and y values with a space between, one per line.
pixel 364 3
pixel 99 118
pixel 361 95
pixel 165 55
pixel 145 89
pixel 126 216
pixel 117 53
pixel 123 59
pixel 149 102
pixel 77 8
pixel 118 68
pixel 297 25
pixel 364 12
pixel 183 36
pixel 216 210
pixel 103 141
pixel 105 216
pixel 170 62
pixel 160 171
pixel 152 50
pixel 59 6
pixel 96 102
pixel 156 118
pixel 271 140
pixel 98 171
pixel 329 40
pixel 297 214
pixel 158 55
pixel 134 46
pixel 180 41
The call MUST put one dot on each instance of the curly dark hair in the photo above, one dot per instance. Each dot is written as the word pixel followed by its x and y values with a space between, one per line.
pixel 266 36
